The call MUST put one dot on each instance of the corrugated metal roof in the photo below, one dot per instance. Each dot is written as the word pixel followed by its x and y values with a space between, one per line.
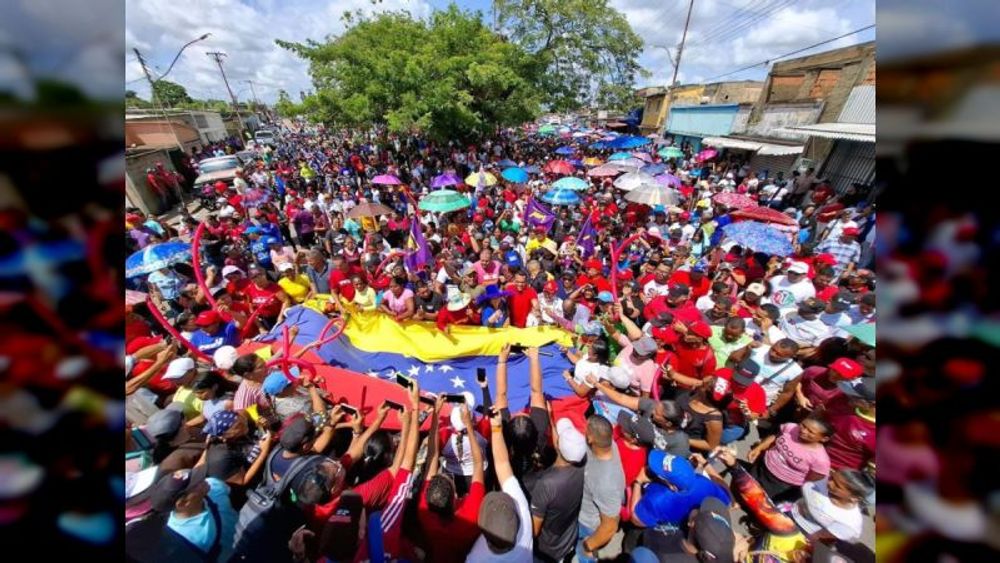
pixel 860 106
pixel 863 132
pixel 756 146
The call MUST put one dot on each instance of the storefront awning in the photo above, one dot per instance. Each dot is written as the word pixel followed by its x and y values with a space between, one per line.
pixel 750 145
pixel 862 132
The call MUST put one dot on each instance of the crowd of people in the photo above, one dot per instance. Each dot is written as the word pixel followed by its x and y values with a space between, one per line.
pixel 698 359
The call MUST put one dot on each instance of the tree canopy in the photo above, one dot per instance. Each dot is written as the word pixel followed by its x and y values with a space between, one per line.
pixel 449 76
pixel 587 47
pixel 170 94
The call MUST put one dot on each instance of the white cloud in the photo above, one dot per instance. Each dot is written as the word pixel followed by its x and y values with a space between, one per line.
pixel 709 52
pixel 245 33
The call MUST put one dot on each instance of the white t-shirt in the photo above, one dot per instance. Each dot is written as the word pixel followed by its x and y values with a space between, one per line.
pixel 786 295
pixel 773 385
pixel 704 303
pixel 653 289
pixel 836 319
pixel 521 552
pixel 774 333
pixel 586 367
pixel 804 332
pixel 554 305
pixel 844 523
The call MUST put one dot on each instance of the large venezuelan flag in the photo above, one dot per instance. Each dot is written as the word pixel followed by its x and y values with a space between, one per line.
pixel 376 345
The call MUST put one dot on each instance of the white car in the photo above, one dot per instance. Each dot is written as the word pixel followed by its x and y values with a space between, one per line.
pixel 265 136
pixel 221 168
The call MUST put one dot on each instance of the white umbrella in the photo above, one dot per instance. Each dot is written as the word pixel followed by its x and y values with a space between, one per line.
pixel 627 164
pixel 653 194
pixel 633 180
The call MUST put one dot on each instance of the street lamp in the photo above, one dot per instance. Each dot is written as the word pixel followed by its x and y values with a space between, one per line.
pixel 178 55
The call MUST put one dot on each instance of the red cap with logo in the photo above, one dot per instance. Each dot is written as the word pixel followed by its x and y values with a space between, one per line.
pixel 206 318
pixel 701 328
pixel 847 368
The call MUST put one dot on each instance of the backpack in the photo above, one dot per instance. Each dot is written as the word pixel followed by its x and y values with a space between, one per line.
pixel 267 495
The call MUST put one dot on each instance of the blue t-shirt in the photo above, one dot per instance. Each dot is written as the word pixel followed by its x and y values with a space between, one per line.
pixel 200 529
pixel 170 284
pixel 228 336
pixel 261 252
pixel 271 230
pixel 488 311
pixel 719 223
pixel 660 505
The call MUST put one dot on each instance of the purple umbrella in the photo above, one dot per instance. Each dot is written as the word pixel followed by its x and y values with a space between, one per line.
pixel 387 180
pixel 445 180
pixel 668 180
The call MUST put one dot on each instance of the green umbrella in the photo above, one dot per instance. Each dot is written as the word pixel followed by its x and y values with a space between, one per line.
pixel 671 152
pixel 444 201
pixel 547 129
pixel 863 332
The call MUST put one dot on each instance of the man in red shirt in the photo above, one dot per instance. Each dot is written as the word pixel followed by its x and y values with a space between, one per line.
pixel 749 399
pixel 523 300
pixel 693 360
pixel 594 276
pixel 340 277
pixel 852 445
pixel 694 279
pixel 677 302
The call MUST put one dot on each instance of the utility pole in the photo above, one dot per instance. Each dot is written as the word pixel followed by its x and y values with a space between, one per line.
pixel 156 104
pixel 256 102
pixel 677 63
pixel 236 107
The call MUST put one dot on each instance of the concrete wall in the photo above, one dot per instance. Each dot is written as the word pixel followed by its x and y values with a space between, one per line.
pixel 777 116
pixel 709 120
pixel 160 133
pixel 137 190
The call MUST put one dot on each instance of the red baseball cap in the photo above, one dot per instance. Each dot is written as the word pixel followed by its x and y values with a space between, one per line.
pixel 721 389
pixel 477 218
pixel 701 329
pixel 206 318
pixel 851 231
pixel 665 334
pixel 847 368
pixel 593 263
pixel 550 286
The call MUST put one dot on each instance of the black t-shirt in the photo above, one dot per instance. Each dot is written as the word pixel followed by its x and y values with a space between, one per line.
pixel 556 498
pixel 668 546
pixel 430 305
pixel 674 443
pixel 266 538
pixel 543 447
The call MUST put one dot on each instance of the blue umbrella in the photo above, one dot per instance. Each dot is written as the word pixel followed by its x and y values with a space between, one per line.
pixel 599 145
pixel 654 169
pixel 565 150
pixel 532 169
pixel 561 197
pixel 620 156
pixel 576 162
pixel 570 183
pixel 506 163
pixel 516 175
pixel 155 257
pixel 628 142
pixel 760 237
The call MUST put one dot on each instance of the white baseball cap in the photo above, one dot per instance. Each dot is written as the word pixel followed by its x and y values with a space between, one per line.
pixel 226 270
pixel 225 357
pixel 756 288
pixel 572 443
pixel 798 268
pixel 285 266
pixel 178 368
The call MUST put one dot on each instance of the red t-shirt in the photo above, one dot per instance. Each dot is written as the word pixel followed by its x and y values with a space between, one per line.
pixel 827 292
pixel 698 289
pixel 812 390
pixel 693 362
pixel 238 289
pixel 342 281
pixel 853 441
pixel 633 460
pixel 600 283
pixel 155 384
pixel 259 296
pixel 686 313
pixel 374 494
pixel 753 395
pixel 450 540
pixel 520 305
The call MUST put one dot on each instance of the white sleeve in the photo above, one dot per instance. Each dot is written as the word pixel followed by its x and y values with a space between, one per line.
pixel 524 532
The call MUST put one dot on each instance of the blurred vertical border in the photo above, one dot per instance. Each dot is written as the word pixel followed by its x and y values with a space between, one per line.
pixel 938 92
pixel 61 254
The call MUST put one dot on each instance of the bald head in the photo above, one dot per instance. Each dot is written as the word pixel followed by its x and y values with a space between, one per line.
pixel 599 432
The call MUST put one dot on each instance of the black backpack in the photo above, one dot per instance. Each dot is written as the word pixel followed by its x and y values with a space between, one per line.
pixel 267 495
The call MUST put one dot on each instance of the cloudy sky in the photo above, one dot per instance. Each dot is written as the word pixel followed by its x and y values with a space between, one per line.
pixel 725 35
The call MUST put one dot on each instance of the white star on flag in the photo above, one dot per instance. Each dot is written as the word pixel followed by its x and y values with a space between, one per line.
pixel 414 371
pixel 446 368
pixel 429 368
pixel 372 373
pixel 457 383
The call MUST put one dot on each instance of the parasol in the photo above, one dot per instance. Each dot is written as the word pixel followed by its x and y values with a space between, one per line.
pixel 559 167
pixel 734 200
pixel 653 194
pixel 155 257
pixel 560 197
pixel 571 183
pixel 368 209
pixel 764 215
pixel 760 237
pixel 387 180
pixel 443 201
pixel 633 180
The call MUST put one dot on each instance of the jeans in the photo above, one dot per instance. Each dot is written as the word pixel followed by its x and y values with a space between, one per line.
pixel 583 533
pixel 732 433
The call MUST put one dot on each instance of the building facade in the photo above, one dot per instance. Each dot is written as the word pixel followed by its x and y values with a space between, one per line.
pixel 659 98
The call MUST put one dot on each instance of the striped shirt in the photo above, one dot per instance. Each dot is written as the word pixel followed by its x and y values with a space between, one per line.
pixel 248 394
pixel 844 253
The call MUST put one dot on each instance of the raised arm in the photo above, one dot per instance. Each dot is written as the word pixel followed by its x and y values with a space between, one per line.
pixel 413 439
pixel 535 370
pixel 404 437
pixel 163 357
pixel 628 401
pixel 501 459
pixel 501 401
pixel 633 331
pixel 357 447
pixel 478 475
pixel 433 447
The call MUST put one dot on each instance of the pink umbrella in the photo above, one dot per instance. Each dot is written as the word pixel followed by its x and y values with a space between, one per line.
pixel 764 215
pixel 706 154
pixel 560 167
pixel 734 200
pixel 668 180
pixel 604 171
pixel 387 180
pixel 645 156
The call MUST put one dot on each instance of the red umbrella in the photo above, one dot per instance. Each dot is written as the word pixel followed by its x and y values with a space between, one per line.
pixel 559 167
pixel 765 215
pixel 735 200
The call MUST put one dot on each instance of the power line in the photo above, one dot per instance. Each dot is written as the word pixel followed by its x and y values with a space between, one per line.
pixel 772 59
pixel 746 24
pixel 734 18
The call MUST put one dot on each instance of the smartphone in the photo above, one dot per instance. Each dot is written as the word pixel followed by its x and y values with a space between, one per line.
pixel 481 375
pixel 489 413
pixel 403 380
pixel 454 398
pixel 427 400
pixel 348 409
pixel 517 349
pixel 394 405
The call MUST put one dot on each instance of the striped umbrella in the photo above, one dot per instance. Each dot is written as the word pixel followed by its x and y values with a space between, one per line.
pixel 561 197
pixel 571 183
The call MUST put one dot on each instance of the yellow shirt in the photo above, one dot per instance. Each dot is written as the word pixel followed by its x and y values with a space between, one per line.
pixel 297 288
pixel 186 398
pixel 533 244
pixel 365 300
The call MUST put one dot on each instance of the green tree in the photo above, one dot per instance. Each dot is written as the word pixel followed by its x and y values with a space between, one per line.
pixel 584 45
pixel 617 97
pixel 449 76
pixel 132 100
pixel 170 94
pixel 286 107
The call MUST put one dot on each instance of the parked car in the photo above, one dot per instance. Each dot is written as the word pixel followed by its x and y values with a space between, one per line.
pixel 265 136
pixel 221 168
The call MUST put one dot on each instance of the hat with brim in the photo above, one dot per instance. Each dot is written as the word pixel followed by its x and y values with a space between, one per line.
pixel 499 520
pixel 862 388
pixel 458 301
pixel 170 488
pixel 492 292
pixel 640 428
pixel 713 531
